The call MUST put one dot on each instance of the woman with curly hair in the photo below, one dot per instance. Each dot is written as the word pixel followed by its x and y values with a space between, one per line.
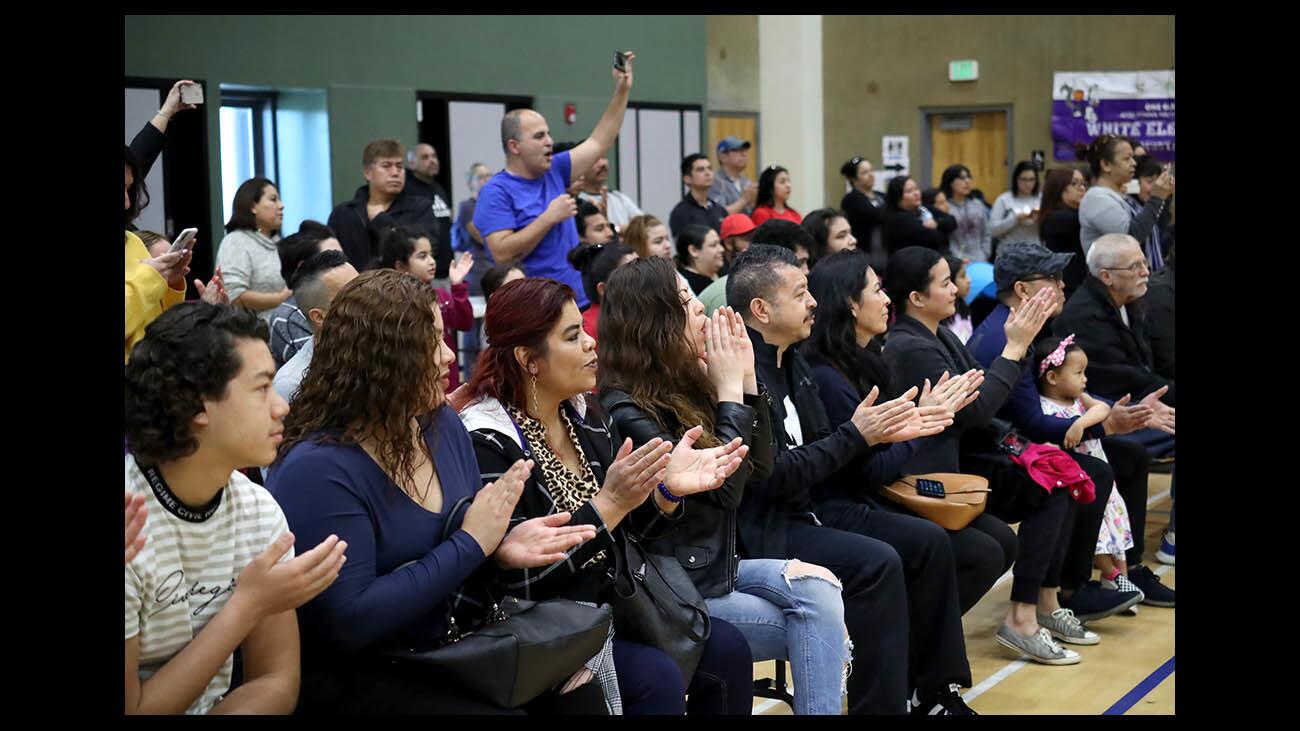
pixel 665 365
pixel 372 454
pixel 529 398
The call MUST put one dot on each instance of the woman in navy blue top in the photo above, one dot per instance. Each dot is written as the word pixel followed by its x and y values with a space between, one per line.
pixel 372 453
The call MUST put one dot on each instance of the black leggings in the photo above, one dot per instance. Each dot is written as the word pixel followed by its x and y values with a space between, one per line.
pixel 1044 536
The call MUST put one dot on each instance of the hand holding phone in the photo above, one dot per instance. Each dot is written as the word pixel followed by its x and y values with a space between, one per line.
pixel 184 241
pixel 192 93
pixel 620 61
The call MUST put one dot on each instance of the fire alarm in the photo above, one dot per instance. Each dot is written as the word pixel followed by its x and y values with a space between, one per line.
pixel 570 113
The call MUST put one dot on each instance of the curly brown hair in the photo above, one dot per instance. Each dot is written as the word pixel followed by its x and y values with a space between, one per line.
pixel 374 370
pixel 643 349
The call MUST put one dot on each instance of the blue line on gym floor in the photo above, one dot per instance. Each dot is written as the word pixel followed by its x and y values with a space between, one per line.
pixel 1146 686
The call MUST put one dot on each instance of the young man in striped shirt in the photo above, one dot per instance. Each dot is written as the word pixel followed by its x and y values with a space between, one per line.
pixel 217 572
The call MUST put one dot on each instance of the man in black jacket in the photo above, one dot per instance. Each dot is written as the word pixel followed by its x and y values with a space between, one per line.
pixel 379 204
pixel 422 164
pixel 1109 321
pixel 888 563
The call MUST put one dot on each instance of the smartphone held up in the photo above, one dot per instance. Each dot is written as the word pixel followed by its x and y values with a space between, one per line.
pixel 192 93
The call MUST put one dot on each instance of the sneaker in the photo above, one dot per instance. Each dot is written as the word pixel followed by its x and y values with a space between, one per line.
pixel 1039 646
pixel 949 703
pixel 1154 593
pixel 1166 552
pixel 1065 627
pixel 1091 601
pixel 1122 583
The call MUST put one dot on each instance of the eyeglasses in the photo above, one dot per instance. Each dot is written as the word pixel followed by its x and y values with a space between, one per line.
pixel 1135 267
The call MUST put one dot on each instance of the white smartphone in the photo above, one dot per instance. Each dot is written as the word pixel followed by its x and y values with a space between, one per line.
pixel 184 241
pixel 1134 187
pixel 192 93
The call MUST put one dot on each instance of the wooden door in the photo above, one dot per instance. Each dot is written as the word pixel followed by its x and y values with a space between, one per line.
pixel 977 140
pixel 744 126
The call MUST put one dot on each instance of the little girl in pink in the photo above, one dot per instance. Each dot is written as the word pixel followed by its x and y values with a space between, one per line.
pixel 1061 383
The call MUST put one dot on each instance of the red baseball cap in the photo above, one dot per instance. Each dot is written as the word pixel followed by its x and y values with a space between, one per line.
pixel 737 224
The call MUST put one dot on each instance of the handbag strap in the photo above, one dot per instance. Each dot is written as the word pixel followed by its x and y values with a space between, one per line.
pixel 625 570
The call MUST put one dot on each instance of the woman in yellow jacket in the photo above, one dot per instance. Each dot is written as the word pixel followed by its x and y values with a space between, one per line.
pixel 154 283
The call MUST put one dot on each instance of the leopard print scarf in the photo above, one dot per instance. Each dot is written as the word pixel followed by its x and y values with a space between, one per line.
pixel 570 491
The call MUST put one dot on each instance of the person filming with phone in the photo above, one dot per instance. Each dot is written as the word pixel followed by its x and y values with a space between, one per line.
pixel 526 211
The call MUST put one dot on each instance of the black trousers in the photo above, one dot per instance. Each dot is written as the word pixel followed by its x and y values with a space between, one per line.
pixel 379 688
pixel 1043 536
pixel 985 550
pixel 936 645
pixel 1128 471
pixel 875 609
pixel 982 552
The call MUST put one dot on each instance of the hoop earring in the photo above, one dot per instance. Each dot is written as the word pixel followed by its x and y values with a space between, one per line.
pixel 536 408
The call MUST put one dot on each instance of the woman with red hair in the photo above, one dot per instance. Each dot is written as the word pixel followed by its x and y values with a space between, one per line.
pixel 529 399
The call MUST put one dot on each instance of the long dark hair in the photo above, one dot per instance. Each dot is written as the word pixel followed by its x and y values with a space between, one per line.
pixel 247 195
pixel 1057 180
pixel 766 183
pixel 138 193
pixel 818 223
pixel 643 349
pixel 374 370
pixel 838 280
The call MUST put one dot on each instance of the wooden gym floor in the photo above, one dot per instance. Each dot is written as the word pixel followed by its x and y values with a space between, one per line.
pixel 1130 672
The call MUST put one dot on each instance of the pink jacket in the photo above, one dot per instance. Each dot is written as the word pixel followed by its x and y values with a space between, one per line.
pixel 1052 468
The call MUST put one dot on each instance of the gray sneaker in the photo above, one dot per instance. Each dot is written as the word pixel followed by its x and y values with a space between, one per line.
pixel 1039 646
pixel 1065 627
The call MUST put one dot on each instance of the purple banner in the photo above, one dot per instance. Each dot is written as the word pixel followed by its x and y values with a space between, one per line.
pixel 1150 121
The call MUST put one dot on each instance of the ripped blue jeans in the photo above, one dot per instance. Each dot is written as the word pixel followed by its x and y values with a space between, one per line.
pixel 799 618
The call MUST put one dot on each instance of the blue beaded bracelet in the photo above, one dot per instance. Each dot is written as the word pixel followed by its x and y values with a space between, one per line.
pixel 668 495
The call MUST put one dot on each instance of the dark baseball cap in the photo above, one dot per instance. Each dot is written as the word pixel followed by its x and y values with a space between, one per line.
pixel 732 142
pixel 1018 260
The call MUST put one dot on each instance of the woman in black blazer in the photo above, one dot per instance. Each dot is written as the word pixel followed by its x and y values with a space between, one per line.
pixel 920 288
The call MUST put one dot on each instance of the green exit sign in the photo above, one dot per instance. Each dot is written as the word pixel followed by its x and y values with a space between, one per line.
pixel 963 70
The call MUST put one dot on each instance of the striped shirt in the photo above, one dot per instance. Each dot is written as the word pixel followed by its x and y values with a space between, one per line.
pixel 187 569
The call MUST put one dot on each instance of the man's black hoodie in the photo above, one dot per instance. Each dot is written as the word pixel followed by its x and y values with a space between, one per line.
pixel 360 237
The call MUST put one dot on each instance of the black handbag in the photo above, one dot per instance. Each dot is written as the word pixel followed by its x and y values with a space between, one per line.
pixel 521 650
pixel 657 604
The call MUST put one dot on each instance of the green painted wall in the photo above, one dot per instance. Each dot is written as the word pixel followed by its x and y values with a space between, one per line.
pixel 371 66
pixel 880 70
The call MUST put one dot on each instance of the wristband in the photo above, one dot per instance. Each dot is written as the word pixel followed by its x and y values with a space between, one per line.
pixel 668 495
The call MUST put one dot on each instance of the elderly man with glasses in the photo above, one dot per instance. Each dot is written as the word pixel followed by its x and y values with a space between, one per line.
pixel 1022 269
pixel 1107 318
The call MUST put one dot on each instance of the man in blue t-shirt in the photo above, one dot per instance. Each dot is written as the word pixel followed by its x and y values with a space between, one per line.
pixel 525 212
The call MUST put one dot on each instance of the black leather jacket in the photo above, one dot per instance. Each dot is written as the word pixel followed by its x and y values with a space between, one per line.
pixel 704 540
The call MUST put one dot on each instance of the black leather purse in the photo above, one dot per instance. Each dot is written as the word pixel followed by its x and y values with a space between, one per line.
pixel 657 604
pixel 522 648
